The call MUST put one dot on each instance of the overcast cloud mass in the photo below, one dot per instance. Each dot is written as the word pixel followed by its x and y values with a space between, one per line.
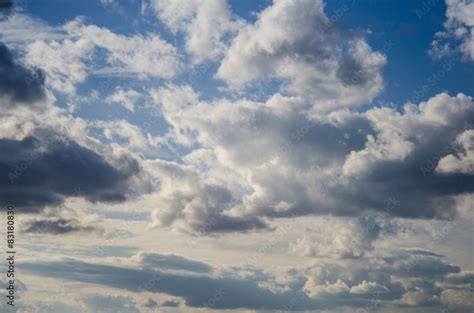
pixel 232 156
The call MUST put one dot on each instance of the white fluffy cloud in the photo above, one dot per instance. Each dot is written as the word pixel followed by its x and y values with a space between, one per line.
pixel 459 27
pixel 70 61
pixel 205 23
pixel 293 41
pixel 462 162
pixel 280 161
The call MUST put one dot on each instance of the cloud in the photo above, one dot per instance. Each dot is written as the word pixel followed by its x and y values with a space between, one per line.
pixel 463 162
pixel 45 169
pixel 67 62
pixel 419 298
pixel 197 291
pixel 126 98
pixel 458 299
pixel 275 159
pixel 170 304
pixel 21 29
pixel 407 149
pixel 108 2
pixel 206 25
pixel 399 277
pixel 97 303
pixel 295 43
pixel 315 290
pixel 19 84
pixel 122 131
pixel 413 264
pixel 151 304
pixel 465 277
pixel 459 31
pixel 152 260
pixel 345 238
pixel 367 287
pixel 198 207
pixel 55 226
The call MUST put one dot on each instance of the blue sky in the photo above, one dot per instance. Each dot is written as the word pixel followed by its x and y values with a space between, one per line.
pixel 239 156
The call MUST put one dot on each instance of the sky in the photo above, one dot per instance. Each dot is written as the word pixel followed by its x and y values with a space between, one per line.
pixel 238 156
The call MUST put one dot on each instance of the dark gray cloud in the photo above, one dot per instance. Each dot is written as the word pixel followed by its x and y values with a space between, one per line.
pixel 35 173
pixel 174 262
pixel 17 82
pixel 55 226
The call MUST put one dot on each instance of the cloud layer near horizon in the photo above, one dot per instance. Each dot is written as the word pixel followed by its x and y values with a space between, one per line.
pixel 410 278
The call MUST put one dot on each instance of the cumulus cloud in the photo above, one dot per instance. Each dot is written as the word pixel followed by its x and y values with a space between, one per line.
pixel 19 84
pixel 421 136
pixel 459 31
pixel 206 25
pixel 43 170
pixel 464 161
pixel 278 159
pixel 294 42
pixel 197 206
pixel 368 287
pixel 344 237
